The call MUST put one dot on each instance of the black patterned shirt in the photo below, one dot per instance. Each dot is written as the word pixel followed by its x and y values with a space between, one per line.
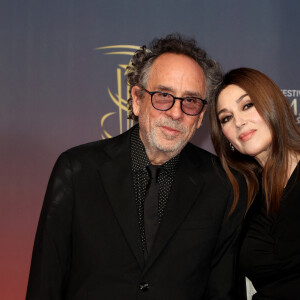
pixel 166 175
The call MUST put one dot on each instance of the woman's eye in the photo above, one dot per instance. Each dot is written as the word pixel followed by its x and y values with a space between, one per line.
pixel 247 106
pixel 225 119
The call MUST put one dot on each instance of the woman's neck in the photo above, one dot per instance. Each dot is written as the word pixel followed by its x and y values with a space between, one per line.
pixel 292 163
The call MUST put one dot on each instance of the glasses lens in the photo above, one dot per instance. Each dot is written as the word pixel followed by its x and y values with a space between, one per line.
pixel 162 101
pixel 192 106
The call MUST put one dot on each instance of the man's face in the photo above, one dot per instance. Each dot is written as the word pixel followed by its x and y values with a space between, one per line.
pixel 165 133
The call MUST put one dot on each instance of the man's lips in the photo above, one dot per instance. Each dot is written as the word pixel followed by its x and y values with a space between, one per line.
pixel 170 130
pixel 247 135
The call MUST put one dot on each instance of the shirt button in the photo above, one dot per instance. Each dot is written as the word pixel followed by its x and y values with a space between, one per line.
pixel 144 286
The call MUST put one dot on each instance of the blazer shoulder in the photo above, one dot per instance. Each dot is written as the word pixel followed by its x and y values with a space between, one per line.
pixel 107 147
pixel 96 153
pixel 207 164
pixel 201 157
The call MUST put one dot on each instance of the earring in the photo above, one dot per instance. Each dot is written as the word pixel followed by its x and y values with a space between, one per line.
pixel 231 147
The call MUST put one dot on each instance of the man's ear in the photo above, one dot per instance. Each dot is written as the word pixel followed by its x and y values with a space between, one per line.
pixel 199 122
pixel 136 100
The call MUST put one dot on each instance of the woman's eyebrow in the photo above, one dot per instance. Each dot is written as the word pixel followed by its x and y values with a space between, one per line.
pixel 241 98
pixel 237 101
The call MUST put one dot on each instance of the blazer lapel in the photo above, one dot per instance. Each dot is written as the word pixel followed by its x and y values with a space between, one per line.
pixel 186 188
pixel 117 180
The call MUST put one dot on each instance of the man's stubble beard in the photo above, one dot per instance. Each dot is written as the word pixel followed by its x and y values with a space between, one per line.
pixel 157 135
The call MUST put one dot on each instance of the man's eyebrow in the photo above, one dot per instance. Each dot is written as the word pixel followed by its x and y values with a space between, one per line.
pixel 237 101
pixel 164 88
pixel 193 94
pixel 172 91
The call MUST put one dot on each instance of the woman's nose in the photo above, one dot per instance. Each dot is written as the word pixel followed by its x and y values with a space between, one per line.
pixel 239 121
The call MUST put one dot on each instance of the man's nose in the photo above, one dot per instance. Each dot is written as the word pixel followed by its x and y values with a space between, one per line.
pixel 175 111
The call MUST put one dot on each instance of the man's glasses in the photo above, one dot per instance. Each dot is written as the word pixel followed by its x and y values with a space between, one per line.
pixel 191 106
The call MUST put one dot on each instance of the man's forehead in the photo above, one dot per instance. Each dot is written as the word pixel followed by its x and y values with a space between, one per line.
pixel 170 57
pixel 177 71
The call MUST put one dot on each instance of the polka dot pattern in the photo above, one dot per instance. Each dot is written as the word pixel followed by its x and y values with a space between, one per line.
pixel 165 178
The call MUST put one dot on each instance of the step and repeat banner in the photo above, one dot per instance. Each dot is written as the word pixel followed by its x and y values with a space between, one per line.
pixel 62 84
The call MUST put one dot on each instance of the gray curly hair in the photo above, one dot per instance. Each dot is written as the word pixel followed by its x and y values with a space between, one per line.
pixel 137 71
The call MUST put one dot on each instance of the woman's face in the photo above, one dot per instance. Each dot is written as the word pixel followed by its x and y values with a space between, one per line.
pixel 242 125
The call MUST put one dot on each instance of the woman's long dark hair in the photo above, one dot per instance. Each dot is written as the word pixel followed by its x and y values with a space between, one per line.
pixel 274 108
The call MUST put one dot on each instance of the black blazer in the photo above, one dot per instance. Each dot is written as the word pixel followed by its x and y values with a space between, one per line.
pixel 88 244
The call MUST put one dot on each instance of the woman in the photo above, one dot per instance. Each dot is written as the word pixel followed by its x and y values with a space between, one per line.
pixel 254 132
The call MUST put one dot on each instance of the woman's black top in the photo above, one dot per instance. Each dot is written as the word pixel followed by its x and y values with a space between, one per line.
pixel 270 251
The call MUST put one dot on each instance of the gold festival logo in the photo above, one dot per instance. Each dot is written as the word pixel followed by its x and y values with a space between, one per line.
pixel 117 97
pixel 293 97
pixel 294 105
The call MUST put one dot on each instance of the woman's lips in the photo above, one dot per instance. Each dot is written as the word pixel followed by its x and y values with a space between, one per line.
pixel 247 135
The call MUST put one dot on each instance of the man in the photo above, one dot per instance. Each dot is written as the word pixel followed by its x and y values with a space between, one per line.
pixel 111 230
